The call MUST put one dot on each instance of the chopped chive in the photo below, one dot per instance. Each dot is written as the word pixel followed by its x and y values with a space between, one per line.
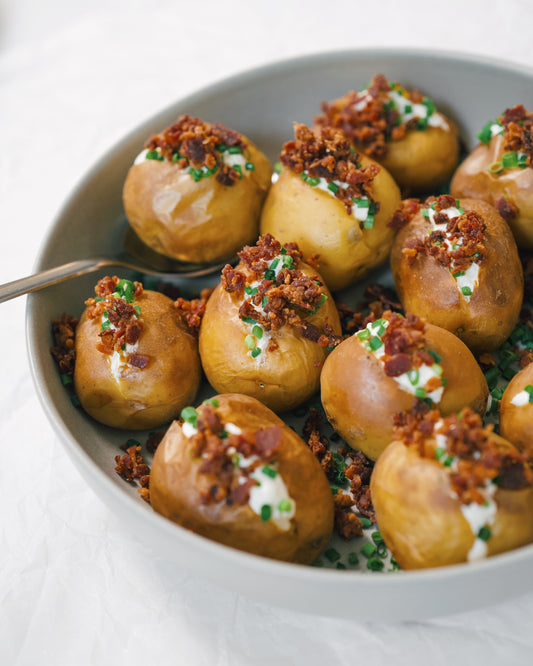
pixel 270 275
pixel 75 400
pixel 313 181
pixel 234 150
pixel 448 461
pixel 266 512
pixel 425 213
pixel 333 187
pixel 222 148
pixel 278 168
pixel 211 401
pixel 420 392
pixel 382 549
pixel 437 369
pixel 365 522
pixel 369 222
pixel 66 379
pixel 264 301
pixel 269 471
pixel 256 352
pixel 495 167
pixel 249 320
pixel 250 342
pixel 378 322
pixel 275 263
pixel 190 415
pixel 137 309
pixel 436 356
pixel 413 376
pixel 257 331
pixel 466 291
pixel 408 108
pixel 283 250
pixel 304 176
pixel 374 344
pixel 287 261
pixel 353 559
pixel 285 505
pixel 377 537
pixel 98 299
pixel 485 134
pixel 484 533
pixel 105 325
pixel 249 166
pixel 176 157
pixel 251 291
pixel 368 550
pixel 238 169
pixel 375 564
pixel 492 376
pixel 458 274
pixel 439 452
pixel 332 554
pixel 154 155
pixel 364 334
pixel 510 160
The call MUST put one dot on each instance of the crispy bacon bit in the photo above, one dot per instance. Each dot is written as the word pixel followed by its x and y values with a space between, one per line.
pixel 329 156
pixel 317 443
pixel 466 233
pixel 138 360
pixel 367 119
pixel 131 465
pixel 191 141
pixel 347 524
pixel 192 312
pixel 63 352
pixel 478 458
pixel 284 301
pixel 518 131
pixel 378 299
pixel 506 208
pixel 403 215
pixel 217 449
pixel 359 472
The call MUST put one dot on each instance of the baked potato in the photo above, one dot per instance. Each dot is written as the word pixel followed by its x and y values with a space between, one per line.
pixel 456 264
pixel 334 203
pixel 136 365
pixel 499 171
pixel 401 130
pixel 267 327
pixel 516 410
pixel 235 473
pixel 196 191
pixel 382 368
pixel 450 491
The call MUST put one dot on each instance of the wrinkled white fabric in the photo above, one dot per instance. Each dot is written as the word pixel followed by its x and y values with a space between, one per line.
pixel 75 587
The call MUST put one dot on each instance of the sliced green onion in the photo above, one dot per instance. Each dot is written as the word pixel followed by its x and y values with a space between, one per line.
pixel 485 134
pixel 437 369
pixel 287 261
pixel 257 331
pixel 510 160
pixel 377 537
pixel 495 167
pixel 249 320
pixel 249 166
pixel 154 155
pixel 332 554
pixel 340 565
pixel 264 301
pixel 364 334
pixel 266 512
pixel 313 181
pixel 374 343
pixel 269 471
pixel 270 275
pixel 484 533
pixel 458 274
pixel 365 522
pixel 137 309
pixel 368 550
pixel 353 559
pixel 278 168
pixel 75 401
pixel 66 379
pixel 285 505
pixel 251 291
pixel 425 213
pixel 190 415
pixel 211 401
pixel 466 291
pixel 250 342
pixel 238 169
pixel 437 358
pixel 234 150
pixel 420 392
pixel 413 376
pixel 256 352
pixel 274 263
pixel 439 452
pixel 304 176
pixel 333 187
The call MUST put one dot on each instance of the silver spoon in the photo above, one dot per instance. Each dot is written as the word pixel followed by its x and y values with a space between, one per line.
pixel 136 256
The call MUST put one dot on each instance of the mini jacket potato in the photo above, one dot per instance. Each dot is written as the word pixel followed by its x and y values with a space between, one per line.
pixel 401 130
pixel 499 171
pixel 516 410
pixel 479 300
pixel 186 488
pixel 350 234
pixel 425 523
pixel 278 363
pixel 147 383
pixel 195 193
pixel 360 399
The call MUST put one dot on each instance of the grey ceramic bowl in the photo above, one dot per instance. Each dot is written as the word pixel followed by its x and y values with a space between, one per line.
pixel 262 104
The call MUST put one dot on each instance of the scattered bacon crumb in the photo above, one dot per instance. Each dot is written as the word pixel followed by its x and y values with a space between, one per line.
pixel 506 208
pixel 479 459
pixel 359 472
pixel 131 465
pixel 192 312
pixel 317 443
pixel 347 524
pixel 329 155
pixel 375 124
pixel 404 214
pixel 63 352
pixel 378 299
pixel 197 143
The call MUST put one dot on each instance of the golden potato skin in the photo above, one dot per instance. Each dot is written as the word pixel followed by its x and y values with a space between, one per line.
pixel 423 160
pixel 360 400
pixel 281 379
pixel 516 422
pixel 472 179
pixel 200 221
pixel 176 487
pixel 319 223
pixel 428 288
pixel 421 520
pixel 141 398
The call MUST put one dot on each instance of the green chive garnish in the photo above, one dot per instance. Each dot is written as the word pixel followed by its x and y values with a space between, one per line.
pixel 66 379
pixel 285 506
pixel 256 352
pixel 249 320
pixel 466 291
pixel 269 471
pixel 266 512
pixel 365 522
pixel 332 554
pixel 353 559
pixel 373 344
pixel 364 334
pixel 495 167
pixel 368 550
pixel 313 181
pixel 510 160
pixel 484 533
pixel 333 187
pixel 420 392
pixel 250 342
pixel 413 376
pixel 258 332
pixel 249 166
pixel 190 415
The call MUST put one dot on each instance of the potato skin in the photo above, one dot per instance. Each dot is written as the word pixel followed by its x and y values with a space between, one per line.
pixel 360 400
pixel 423 160
pixel 281 379
pixel 319 223
pixel 200 221
pixel 516 422
pixel 421 520
pixel 176 486
pixel 428 289
pixel 141 398
pixel 472 179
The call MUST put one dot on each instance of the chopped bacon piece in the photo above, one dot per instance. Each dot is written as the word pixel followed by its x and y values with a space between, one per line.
pixel 506 208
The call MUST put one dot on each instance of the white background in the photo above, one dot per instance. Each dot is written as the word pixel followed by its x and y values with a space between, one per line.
pixel 75 76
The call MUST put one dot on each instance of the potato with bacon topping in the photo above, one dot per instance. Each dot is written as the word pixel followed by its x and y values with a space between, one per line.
pixel 136 363
pixel 334 203
pixel 400 129
pixel 383 368
pixel 500 171
pixel 234 472
pixel 447 491
pixel 268 326
pixel 456 264
pixel 195 192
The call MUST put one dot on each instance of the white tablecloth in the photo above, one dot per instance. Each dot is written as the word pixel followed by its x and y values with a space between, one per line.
pixel 75 588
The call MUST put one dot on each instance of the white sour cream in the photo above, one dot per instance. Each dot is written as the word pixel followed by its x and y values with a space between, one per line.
pixel 271 492
pixel 478 516
pixel 359 212
pixel 521 399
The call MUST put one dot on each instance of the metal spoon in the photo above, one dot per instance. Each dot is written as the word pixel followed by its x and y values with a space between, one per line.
pixel 136 256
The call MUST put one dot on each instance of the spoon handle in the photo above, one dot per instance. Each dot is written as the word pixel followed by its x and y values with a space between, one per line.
pixel 51 276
